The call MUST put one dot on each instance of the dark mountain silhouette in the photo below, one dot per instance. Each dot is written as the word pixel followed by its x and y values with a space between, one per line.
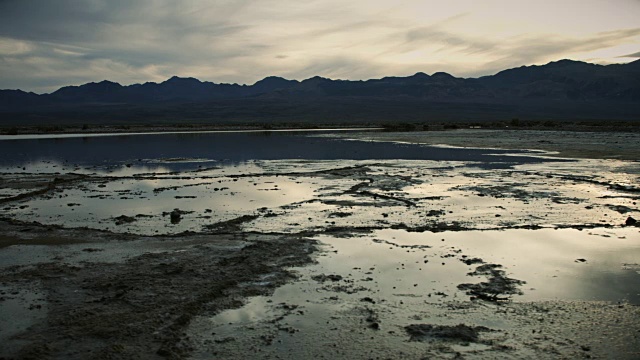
pixel 567 79
pixel 563 89
pixel 18 99
pixel 271 84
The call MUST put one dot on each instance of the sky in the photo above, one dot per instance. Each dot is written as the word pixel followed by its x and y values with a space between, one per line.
pixel 47 44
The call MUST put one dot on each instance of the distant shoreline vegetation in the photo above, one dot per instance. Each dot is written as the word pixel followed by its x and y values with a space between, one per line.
pixel 513 124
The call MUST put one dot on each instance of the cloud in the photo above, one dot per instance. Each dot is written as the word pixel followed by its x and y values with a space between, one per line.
pixel 449 40
pixel 513 51
pixel 533 49
pixel 338 67
pixel 226 41
pixel 51 72
pixel 634 55
pixel 46 44
pixel 81 41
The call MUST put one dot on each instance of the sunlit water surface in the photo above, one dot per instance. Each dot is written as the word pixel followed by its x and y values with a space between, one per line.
pixel 208 176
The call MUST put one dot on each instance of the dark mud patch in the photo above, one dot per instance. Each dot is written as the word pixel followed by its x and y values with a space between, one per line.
pixel 518 191
pixel 323 278
pixel 621 209
pixel 471 261
pixel 341 231
pixel 348 288
pixel 612 186
pixel 340 214
pixel 377 196
pixel 498 286
pixel 435 213
pixel 386 183
pixel 141 306
pixel 16 232
pixel 124 219
pixel 379 241
pixel 175 216
pixel 38 185
pixel 230 225
pixel 460 333
pixel 619 196
pixel 433 226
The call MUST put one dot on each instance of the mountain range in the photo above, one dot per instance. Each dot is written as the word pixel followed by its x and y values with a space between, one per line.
pixel 563 89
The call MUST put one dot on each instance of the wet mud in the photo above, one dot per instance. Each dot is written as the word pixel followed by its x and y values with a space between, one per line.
pixel 321 258
pixel 138 303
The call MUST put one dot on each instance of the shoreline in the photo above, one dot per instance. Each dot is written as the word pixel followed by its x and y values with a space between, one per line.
pixel 515 125
pixel 568 141
pixel 170 132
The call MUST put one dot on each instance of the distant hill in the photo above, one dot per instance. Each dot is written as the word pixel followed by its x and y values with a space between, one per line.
pixel 559 90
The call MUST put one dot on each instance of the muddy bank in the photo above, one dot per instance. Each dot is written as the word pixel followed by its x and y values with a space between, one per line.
pixel 548 330
pixel 591 143
pixel 101 295
pixel 512 124
pixel 90 301
pixel 355 304
pixel 136 129
pixel 307 197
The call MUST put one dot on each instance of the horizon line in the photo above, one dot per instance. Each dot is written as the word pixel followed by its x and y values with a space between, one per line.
pixel 318 76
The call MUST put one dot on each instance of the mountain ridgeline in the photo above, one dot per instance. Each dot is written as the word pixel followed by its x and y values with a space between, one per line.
pixel 559 90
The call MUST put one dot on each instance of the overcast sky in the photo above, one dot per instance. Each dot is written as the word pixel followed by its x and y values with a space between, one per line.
pixel 46 44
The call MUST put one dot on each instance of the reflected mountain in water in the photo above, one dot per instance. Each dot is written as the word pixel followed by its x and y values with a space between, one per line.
pixel 191 150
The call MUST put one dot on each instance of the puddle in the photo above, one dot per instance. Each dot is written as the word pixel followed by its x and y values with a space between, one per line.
pixel 563 264
pixel 294 196
pixel 391 277
pixel 148 202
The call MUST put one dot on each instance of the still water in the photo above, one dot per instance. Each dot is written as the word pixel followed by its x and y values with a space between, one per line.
pixel 295 181
pixel 182 151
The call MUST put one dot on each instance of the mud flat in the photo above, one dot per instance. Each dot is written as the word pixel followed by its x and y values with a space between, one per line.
pixel 418 254
pixel 581 144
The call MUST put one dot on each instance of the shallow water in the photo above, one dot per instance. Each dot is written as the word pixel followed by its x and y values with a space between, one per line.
pixel 396 223
pixel 397 278
pixel 567 264
pixel 192 149
pixel 411 269
pixel 289 182
pixel 146 176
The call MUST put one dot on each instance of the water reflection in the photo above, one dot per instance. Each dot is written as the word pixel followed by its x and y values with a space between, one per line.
pixel 386 275
pixel 205 199
pixel 547 259
pixel 235 147
pixel 410 277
